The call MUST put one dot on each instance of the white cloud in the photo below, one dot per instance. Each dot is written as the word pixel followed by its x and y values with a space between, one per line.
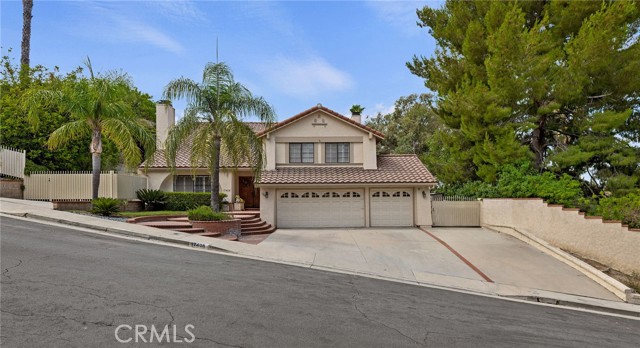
pixel 178 10
pixel 381 108
pixel 118 25
pixel 305 78
pixel 400 14
pixel 133 31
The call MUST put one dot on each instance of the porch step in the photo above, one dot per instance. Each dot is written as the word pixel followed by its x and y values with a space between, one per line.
pixel 256 227
pixel 228 237
pixel 190 230
pixel 182 219
pixel 268 229
pixel 167 225
pixel 245 216
pixel 209 234
pixel 252 223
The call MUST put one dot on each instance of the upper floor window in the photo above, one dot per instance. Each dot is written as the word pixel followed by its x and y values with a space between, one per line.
pixel 336 153
pixel 301 153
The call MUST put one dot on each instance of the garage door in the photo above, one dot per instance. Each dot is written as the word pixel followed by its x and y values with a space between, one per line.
pixel 320 208
pixel 391 207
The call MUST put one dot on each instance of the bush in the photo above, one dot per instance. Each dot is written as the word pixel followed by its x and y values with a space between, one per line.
pixel 106 206
pixel 189 200
pixel 474 189
pixel 205 213
pixel 153 199
pixel 625 209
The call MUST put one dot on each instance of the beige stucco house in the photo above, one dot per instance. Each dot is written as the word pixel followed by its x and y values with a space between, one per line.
pixel 321 170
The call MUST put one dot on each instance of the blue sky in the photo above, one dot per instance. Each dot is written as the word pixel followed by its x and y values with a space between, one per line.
pixel 295 54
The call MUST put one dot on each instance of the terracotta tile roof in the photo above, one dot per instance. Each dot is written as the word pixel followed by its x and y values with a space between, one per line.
pixel 182 160
pixel 392 169
pixel 327 110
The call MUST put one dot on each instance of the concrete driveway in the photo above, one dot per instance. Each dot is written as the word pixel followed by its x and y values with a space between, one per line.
pixel 477 259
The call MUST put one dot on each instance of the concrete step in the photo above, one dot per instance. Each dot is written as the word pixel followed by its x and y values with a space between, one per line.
pixel 228 237
pixel 167 225
pixel 182 219
pixel 210 234
pixel 264 230
pixel 253 224
pixel 262 226
pixel 190 230
pixel 245 216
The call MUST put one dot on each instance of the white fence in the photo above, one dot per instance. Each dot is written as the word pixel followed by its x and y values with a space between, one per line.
pixel 12 162
pixel 76 186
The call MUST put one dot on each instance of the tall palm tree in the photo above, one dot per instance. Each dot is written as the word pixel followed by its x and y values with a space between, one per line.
pixel 98 106
pixel 213 122
pixel 27 7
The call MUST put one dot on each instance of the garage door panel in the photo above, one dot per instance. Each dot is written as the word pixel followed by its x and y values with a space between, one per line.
pixel 391 207
pixel 320 208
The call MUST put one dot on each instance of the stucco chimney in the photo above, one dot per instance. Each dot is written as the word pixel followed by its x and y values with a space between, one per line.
pixel 165 119
pixel 356 117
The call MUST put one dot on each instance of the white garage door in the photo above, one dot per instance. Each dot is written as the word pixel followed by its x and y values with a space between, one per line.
pixel 320 208
pixel 391 207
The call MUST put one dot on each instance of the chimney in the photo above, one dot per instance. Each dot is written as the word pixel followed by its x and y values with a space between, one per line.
pixel 165 119
pixel 356 111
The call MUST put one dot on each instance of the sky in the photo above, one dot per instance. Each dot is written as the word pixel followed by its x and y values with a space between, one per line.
pixel 295 54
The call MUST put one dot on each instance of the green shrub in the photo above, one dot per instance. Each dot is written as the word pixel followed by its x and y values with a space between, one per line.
pixel 626 209
pixel 474 189
pixel 153 199
pixel 106 206
pixel 189 200
pixel 205 213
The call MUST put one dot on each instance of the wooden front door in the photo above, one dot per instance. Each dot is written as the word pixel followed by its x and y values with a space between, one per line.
pixel 248 192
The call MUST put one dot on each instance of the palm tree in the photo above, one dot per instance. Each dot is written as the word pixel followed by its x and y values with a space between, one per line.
pixel 213 122
pixel 27 7
pixel 98 106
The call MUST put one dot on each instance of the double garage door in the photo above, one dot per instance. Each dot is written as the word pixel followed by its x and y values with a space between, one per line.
pixel 343 208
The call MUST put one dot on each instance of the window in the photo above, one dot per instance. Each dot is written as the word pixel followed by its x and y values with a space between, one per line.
pixel 301 153
pixel 336 153
pixel 188 183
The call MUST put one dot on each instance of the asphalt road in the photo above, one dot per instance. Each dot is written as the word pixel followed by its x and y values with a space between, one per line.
pixel 66 288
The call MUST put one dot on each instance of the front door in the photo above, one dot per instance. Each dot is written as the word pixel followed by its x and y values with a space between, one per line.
pixel 248 192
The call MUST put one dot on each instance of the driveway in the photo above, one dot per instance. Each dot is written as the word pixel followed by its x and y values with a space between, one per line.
pixel 470 258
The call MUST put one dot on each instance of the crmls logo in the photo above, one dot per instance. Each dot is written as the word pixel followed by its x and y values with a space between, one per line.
pixel 144 334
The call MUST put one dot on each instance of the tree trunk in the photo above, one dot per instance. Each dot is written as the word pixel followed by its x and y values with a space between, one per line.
pixel 538 142
pixel 215 176
pixel 27 6
pixel 96 153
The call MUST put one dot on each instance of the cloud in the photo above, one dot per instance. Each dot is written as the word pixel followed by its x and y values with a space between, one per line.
pixel 178 10
pixel 117 24
pixel 399 14
pixel 305 78
pixel 381 108
pixel 133 31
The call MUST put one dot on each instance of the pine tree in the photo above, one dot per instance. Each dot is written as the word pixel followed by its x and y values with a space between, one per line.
pixel 522 80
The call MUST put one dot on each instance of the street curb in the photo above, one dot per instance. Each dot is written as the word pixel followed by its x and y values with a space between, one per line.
pixel 572 304
pixel 123 232
pixel 617 288
pixel 181 242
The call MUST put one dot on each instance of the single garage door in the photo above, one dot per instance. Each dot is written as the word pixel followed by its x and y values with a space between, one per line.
pixel 391 207
pixel 320 208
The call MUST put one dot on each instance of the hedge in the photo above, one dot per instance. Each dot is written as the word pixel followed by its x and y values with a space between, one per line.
pixel 189 200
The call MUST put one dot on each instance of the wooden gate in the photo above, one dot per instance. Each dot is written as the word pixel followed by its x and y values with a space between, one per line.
pixel 455 211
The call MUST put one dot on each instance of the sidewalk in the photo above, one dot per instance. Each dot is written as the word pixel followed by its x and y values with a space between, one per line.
pixel 367 252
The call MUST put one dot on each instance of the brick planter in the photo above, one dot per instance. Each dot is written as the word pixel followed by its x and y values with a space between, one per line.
pixel 222 226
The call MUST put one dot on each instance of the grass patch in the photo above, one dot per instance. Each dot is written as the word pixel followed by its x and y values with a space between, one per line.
pixel 132 214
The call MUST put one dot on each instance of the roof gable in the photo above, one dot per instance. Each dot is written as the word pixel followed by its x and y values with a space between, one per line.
pixel 327 111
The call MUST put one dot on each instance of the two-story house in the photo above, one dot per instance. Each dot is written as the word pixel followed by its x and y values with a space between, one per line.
pixel 322 170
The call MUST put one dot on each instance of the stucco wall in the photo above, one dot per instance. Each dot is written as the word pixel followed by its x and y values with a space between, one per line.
pixel 11 188
pixel 608 243
pixel 422 206
pixel 320 128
